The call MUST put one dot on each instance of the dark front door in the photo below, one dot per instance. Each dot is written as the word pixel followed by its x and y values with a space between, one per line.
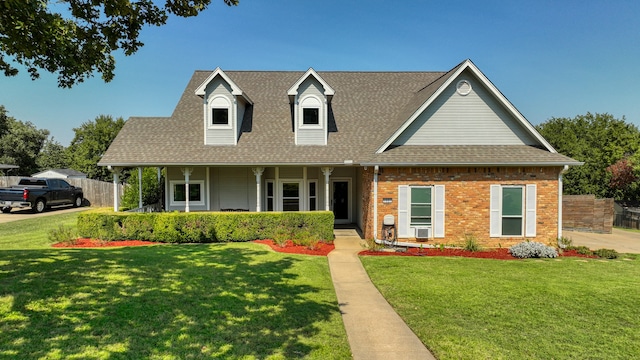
pixel 341 200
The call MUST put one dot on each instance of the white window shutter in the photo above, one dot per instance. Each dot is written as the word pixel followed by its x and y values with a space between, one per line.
pixel 530 208
pixel 494 213
pixel 403 211
pixel 438 223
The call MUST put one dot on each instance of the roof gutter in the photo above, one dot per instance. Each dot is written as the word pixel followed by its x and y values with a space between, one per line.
pixel 574 163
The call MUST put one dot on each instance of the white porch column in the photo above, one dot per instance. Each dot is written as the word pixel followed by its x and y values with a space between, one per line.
pixel 139 186
pixel 257 171
pixel 116 181
pixel 326 171
pixel 186 172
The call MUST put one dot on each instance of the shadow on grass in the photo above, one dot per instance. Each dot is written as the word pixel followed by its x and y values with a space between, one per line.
pixel 164 301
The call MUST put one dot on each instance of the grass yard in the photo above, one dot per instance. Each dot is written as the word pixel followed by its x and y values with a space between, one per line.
pixel 527 309
pixel 232 301
pixel 32 233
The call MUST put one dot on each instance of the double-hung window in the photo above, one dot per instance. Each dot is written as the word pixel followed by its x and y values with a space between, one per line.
pixel 513 210
pixel 420 210
pixel 421 206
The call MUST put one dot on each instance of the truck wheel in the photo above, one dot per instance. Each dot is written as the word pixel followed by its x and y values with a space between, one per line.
pixel 6 210
pixel 77 202
pixel 39 206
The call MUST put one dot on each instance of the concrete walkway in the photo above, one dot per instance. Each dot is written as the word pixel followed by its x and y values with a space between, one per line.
pixel 374 329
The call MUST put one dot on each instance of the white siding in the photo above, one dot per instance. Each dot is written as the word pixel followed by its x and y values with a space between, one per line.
pixel 219 135
pixel 311 135
pixel 474 119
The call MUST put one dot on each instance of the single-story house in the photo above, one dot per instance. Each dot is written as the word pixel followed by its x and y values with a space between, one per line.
pixel 444 154
pixel 61 174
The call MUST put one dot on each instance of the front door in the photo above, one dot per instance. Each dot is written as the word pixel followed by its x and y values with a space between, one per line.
pixel 340 201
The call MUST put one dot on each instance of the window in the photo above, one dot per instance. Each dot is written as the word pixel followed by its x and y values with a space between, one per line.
pixel 310 116
pixel 313 197
pixel 220 111
pixel 290 196
pixel 220 117
pixel 420 209
pixel 270 196
pixel 513 210
pixel 178 194
pixel 421 206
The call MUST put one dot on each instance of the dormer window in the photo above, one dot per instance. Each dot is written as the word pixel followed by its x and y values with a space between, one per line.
pixel 220 110
pixel 220 117
pixel 311 116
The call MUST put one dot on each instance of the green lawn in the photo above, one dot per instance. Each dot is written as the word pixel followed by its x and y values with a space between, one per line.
pixel 232 301
pixel 527 309
pixel 32 233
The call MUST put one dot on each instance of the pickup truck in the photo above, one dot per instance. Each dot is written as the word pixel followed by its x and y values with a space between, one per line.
pixel 39 194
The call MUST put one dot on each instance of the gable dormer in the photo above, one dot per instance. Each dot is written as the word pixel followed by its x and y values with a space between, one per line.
pixel 224 105
pixel 310 98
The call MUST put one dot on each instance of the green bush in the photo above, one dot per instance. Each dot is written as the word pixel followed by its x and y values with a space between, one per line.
pixel 151 189
pixel 582 250
pixel 174 227
pixel 606 253
pixel 63 234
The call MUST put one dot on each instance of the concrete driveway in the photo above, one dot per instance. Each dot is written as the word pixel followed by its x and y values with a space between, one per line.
pixel 622 241
pixel 20 214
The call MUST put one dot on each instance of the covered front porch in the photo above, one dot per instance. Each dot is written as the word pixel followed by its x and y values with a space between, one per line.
pixel 266 188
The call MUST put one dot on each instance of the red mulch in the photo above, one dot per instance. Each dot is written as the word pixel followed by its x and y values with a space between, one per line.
pixel 86 243
pixel 322 249
pixel 500 254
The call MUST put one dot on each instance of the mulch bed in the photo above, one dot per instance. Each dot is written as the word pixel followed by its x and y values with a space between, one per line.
pixel 91 243
pixel 322 249
pixel 499 254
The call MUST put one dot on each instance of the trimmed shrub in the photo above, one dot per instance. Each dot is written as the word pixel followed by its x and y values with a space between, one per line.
pixel 582 250
pixel 200 227
pixel 532 249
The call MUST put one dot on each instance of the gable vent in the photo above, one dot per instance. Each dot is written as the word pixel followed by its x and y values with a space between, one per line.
pixel 463 87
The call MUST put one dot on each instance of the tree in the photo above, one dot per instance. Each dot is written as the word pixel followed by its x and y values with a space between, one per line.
pixel 151 189
pixel 599 140
pixel 90 142
pixel 21 143
pixel 52 156
pixel 75 43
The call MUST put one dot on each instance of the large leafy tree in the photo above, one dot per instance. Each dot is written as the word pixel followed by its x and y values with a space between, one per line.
pixel 20 143
pixel 90 142
pixel 75 38
pixel 52 156
pixel 599 140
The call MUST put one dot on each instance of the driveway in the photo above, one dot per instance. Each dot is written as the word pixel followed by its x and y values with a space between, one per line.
pixel 623 241
pixel 20 214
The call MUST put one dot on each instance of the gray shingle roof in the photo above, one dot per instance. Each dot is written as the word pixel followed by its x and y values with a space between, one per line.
pixel 368 107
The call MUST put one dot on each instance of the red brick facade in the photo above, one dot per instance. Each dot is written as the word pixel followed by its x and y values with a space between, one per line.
pixel 467 199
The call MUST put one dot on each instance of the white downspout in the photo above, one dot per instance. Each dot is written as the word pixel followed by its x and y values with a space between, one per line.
pixel 376 169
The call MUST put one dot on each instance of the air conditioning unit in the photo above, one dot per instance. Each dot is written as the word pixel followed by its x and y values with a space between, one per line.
pixel 423 232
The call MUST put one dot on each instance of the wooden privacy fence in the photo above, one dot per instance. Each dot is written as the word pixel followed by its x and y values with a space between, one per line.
pixel 586 213
pixel 97 193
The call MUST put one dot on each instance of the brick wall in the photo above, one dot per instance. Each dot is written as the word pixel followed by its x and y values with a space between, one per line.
pixel 467 199
pixel 586 213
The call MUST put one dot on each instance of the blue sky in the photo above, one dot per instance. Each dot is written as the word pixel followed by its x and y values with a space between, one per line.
pixel 549 58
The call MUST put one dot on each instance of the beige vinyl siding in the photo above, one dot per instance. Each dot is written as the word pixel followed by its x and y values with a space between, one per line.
pixel 474 119
pixel 218 135
pixel 233 188
pixel 175 174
